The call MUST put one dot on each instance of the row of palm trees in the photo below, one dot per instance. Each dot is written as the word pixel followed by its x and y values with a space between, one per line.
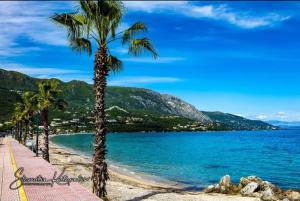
pixel 36 105
pixel 98 23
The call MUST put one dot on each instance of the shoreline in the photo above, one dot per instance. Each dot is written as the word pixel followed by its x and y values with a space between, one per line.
pixel 171 131
pixel 127 175
pixel 130 187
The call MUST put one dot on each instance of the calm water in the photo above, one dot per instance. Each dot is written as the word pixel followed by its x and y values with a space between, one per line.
pixel 201 158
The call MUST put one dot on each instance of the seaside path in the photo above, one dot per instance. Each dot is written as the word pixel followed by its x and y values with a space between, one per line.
pixel 14 156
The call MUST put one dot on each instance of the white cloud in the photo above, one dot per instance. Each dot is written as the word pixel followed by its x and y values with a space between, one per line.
pixel 151 60
pixel 261 117
pixel 216 12
pixel 35 71
pixel 29 20
pixel 15 51
pixel 142 80
pixel 281 115
pixel 152 6
pixel 46 72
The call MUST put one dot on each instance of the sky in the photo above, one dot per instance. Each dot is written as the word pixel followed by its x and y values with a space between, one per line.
pixel 236 57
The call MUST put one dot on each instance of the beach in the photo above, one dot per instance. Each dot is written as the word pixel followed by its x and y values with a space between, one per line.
pixel 126 187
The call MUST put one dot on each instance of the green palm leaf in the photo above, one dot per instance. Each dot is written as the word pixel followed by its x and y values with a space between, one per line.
pixel 138 46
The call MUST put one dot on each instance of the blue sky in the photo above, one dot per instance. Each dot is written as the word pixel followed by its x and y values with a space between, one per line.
pixel 236 57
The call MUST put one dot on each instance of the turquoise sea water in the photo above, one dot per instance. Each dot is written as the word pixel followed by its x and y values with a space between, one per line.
pixel 197 159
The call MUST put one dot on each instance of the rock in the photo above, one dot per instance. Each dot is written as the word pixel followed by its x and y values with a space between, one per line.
pixel 213 189
pixel 244 181
pixel 269 198
pixel 210 189
pixel 225 181
pixel 293 195
pixel 256 194
pixel 249 189
pixel 223 189
pixel 267 192
pixel 255 179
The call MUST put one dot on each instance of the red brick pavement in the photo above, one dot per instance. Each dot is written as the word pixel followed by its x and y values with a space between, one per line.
pixel 34 166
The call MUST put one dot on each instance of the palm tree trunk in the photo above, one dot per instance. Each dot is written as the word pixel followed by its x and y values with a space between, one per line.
pixel 37 143
pixel 45 148
pixel 31 126
pixel 26 132
pixel 20 131
pixel 100 173
pixel 30 130
pixel 17 131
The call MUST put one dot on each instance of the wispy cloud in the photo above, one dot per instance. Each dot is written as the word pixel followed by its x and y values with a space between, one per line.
pixel 212 11
pixel 261 117
pixel 281 115
pixel 37 70
pixel 136 80
pixel 151 60
pixel 46 72
pixel 30 21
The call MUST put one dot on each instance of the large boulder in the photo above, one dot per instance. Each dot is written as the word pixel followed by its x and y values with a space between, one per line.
pixel 244 181
pixel 225 186
pixel 249 189
pixel 268 195
pixel 225 181
pixel 293 195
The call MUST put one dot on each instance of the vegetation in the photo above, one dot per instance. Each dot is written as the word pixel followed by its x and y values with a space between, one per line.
pixel 31 107
pixel 98 21
pixel 48 97
pixel 139 103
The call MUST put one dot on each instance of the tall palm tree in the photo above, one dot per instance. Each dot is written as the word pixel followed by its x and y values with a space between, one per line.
pixel 31 108
pixel 97 22
pixel 48 96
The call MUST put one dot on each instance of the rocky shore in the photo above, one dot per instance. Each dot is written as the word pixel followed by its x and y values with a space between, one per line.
pixel 253 186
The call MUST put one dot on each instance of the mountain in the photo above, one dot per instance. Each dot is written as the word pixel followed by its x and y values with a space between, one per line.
pixel 128 108
pixel 234 122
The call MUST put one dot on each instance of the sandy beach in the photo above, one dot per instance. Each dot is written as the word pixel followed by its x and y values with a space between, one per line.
pixel 126 187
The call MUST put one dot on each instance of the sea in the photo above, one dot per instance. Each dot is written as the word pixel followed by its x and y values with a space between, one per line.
pixel 198 159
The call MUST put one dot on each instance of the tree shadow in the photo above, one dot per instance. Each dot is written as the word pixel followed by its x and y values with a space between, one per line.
pixel 146 196
pixel 164 191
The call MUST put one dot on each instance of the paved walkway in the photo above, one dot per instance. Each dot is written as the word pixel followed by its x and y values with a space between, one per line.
pixel 14 156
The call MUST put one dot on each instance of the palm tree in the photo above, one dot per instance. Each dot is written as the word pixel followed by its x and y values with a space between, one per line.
pixel 31 107
pixel 98 22
pixel 18 119
pixel 48 96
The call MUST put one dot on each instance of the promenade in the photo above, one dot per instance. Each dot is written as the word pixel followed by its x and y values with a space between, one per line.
pixel 14 156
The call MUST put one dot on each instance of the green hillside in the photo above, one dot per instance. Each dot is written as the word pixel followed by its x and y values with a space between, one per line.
pixel 234 122
pixel 128 109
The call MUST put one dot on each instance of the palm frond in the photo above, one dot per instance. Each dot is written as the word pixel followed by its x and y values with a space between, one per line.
pixel 132 31
pixel 139 46
pixel 48 93
pixel 72 22
pixel 114 63
pixel 81 45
